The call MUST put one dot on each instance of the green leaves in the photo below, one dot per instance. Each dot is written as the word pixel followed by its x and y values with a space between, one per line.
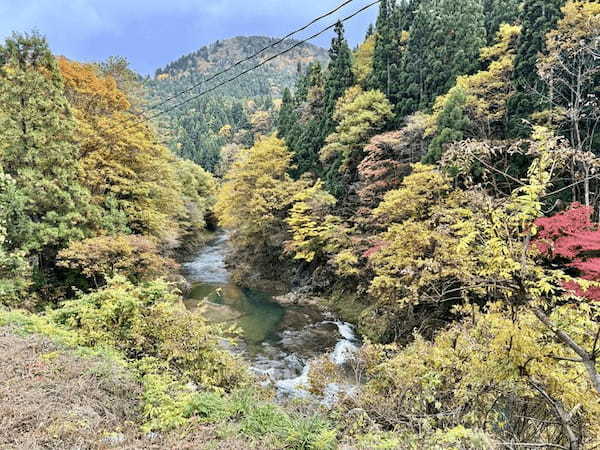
pixel 37 148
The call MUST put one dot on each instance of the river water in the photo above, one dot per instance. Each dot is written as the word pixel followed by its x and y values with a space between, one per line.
pixel 279 342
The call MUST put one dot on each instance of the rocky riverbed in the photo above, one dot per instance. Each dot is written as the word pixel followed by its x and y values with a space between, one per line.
pixel 281 334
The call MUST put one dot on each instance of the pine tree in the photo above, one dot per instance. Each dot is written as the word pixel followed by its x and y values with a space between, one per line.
pixel 339 77
pixel 302 84
pixel 287 115
pixel 305 136
pixel 392 24
pixel 537 18
pixel 444 42
pixel 385 49
pixel 451 124
pixel 498 12
pixel 37 149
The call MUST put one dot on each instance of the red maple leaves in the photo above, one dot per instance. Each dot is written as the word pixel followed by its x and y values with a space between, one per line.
pixel 572 237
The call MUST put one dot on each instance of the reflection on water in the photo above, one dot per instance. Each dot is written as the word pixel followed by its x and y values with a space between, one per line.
pixel 278 341
pixel 255 313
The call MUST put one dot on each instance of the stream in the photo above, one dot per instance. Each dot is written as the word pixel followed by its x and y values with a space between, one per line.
pixel 279 342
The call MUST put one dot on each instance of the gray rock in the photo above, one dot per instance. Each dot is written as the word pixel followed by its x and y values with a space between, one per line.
pixel 114 439
pixel 152 436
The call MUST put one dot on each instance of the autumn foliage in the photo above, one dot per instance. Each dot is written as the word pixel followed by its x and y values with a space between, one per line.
pixel 571 237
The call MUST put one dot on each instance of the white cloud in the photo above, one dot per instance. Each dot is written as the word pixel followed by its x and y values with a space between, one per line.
pixel 91 16
pixel 94 29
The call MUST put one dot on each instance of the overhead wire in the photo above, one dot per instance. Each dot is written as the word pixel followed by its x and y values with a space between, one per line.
pixel 262 63
pixel 247 59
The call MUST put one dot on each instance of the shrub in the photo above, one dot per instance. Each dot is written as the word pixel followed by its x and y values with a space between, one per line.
pixel 135 257
pixel 151 320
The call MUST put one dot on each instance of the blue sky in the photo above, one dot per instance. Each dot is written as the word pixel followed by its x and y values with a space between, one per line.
pixel 151 33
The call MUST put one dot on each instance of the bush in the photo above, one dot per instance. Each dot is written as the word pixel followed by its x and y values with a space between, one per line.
pixel 98 259
pixel 209 407
pixel 151 321
pixel 261 419
pixel 470 378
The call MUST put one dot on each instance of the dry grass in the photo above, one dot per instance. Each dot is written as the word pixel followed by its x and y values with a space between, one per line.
pixel 53 399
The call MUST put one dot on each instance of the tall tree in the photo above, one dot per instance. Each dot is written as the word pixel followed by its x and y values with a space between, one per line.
pixel 14 267
pixel 476 106
pixel 316 98
pixel 254 201
pixel 498 12
pixel 37 150
pixel 123 169
pixel 537 18
pixel 385 56
pixel 305 137
pixel 393 23
pixel 339 77
pixel 363 61
pixel 360 115
pixel 287 114
pixel 571 71
pixel 444 42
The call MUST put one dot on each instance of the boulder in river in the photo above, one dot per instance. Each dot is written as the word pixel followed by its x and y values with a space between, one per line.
pixel 296 298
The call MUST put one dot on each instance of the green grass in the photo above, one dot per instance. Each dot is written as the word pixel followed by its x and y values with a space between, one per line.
pixel 258 419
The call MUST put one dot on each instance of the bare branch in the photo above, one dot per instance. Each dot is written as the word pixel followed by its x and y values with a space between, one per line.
pixel 587 358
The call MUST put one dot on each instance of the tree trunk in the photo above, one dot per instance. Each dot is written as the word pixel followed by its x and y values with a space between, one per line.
pixel 587 359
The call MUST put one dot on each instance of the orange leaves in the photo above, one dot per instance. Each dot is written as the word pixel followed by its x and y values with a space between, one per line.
pixel 89 90
pixel 100 258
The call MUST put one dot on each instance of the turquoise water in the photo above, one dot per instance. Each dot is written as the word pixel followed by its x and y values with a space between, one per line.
pixel 279 342
pixel 253 311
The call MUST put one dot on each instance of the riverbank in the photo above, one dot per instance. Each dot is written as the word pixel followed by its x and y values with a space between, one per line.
pixel 54 396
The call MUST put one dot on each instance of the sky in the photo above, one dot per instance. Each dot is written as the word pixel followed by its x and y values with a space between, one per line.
pixel 152 33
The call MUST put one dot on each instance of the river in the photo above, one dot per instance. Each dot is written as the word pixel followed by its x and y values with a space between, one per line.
pixel 279 342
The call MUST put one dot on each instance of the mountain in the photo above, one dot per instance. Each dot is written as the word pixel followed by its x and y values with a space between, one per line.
pixel 222 54
pixel 235 113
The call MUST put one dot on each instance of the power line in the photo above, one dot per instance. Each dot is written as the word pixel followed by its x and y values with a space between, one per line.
pixel 271 58
pixel 242 61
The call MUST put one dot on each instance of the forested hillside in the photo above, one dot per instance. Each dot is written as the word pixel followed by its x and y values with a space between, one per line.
pixel 234 114
pixel 437 186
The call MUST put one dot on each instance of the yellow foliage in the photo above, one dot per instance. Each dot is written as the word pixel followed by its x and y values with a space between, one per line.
pixel 360 115
pixel 488 90
pixel 89 91
pixel 317 235
pixel 254 201
pixel 529 343
pixel 420 190
pixel 125 165
pixel 482 373
pixel 311 226
pixel 257 189
pixel 151 321
pixel 101 258
pixel 363 60
pixel 569 67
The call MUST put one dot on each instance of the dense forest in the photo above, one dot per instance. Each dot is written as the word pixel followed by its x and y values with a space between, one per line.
pixel 232 115
pixel 437 186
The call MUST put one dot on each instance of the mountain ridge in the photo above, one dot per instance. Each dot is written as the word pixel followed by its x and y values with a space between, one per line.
pixel 235 113
pixel 222 53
